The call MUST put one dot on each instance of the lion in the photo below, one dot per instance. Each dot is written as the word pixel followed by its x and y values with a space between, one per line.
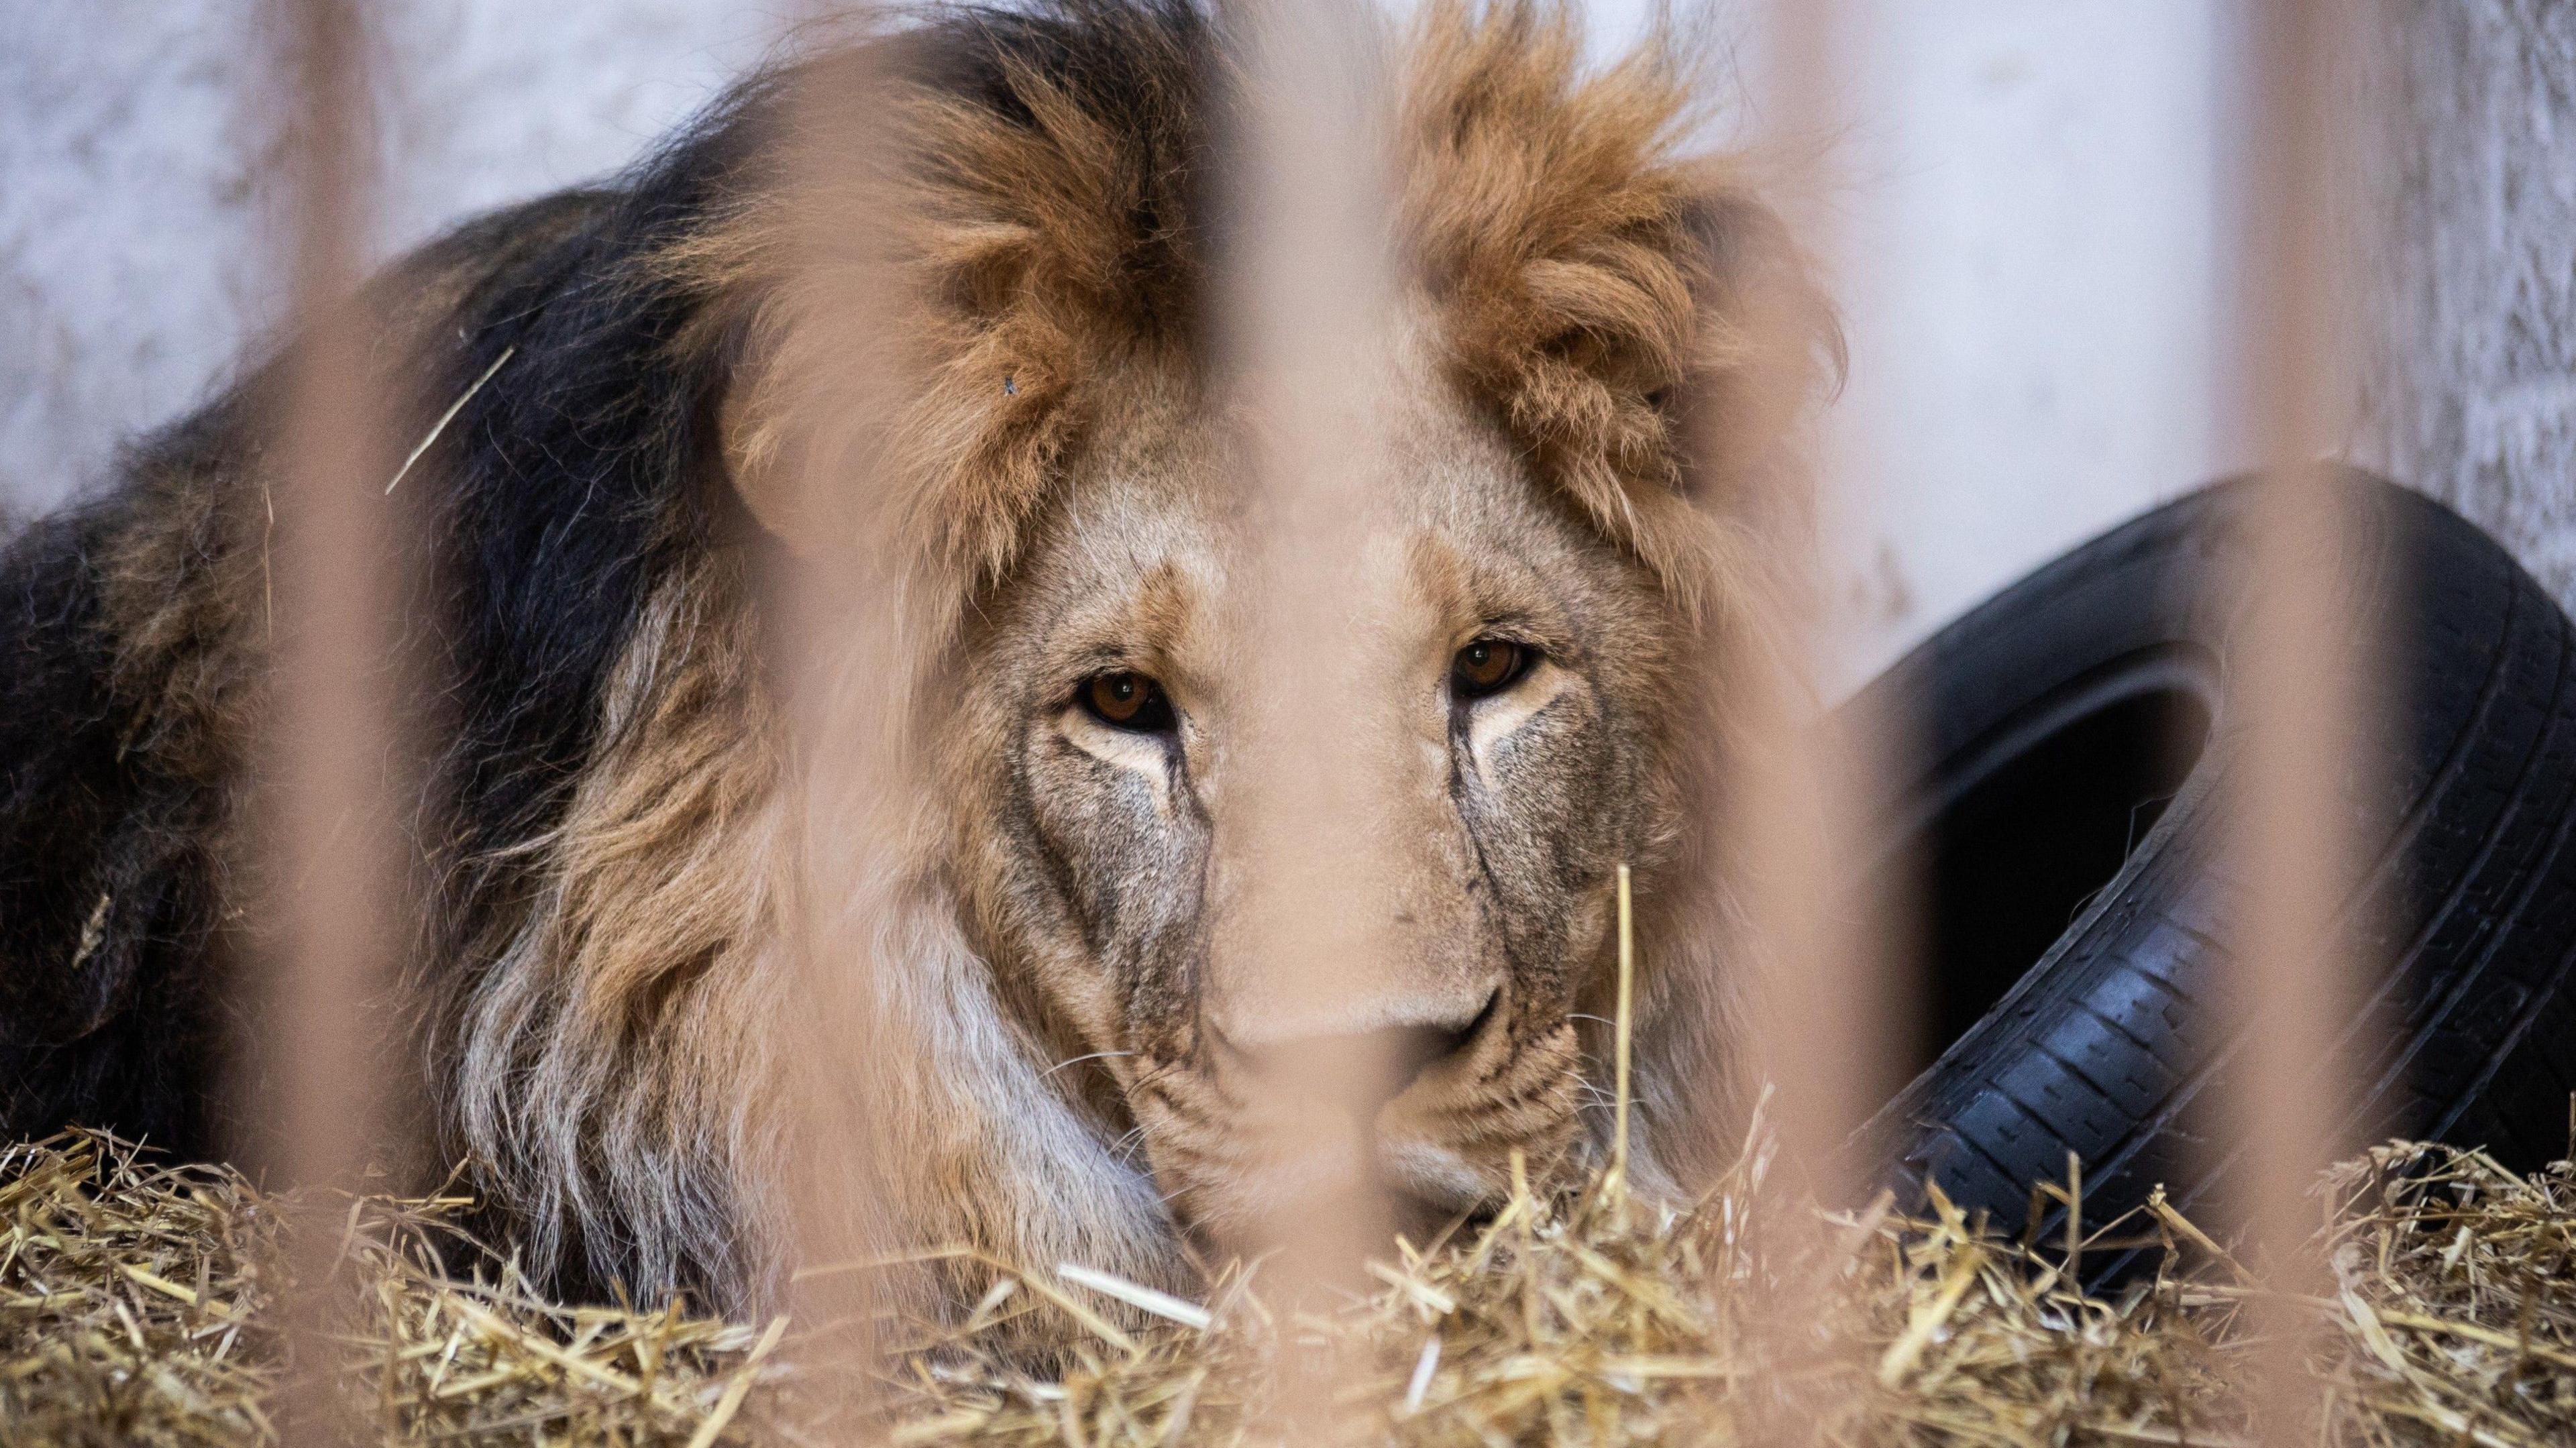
pixel 597 990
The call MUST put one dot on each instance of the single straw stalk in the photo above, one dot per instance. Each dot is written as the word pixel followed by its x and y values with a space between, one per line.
pixel 1622 1036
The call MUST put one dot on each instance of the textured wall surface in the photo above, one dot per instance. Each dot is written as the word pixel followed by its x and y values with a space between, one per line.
pixel 2473 395
pixel 127 166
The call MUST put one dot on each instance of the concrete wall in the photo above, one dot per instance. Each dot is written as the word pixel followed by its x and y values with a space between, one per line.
pixel 2028 266
pixel 2471 392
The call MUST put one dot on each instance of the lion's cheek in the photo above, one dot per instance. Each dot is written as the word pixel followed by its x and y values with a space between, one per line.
pixel 1549 833
pixel 1450 1141
pixel 1192 1147
pixel 1120 865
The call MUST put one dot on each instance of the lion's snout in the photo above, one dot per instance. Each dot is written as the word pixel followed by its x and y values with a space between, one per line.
pixel 1353 1078
pixel 1420 1116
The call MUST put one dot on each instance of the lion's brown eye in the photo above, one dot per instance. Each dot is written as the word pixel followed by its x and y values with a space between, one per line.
pixel 1127 701
pixel 1489 666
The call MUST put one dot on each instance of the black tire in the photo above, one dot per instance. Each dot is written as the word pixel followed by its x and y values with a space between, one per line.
pixel 2078 735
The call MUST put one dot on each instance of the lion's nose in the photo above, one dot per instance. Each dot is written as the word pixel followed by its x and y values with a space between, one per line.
pixel 1365 1070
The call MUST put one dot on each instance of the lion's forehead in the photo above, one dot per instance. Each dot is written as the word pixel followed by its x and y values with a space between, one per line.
pixel 1148 546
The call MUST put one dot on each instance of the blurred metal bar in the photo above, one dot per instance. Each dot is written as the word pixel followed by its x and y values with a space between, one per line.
pixel 2298 680
pixel 1820 963
pixel 847 802
pixel 854 739
pixel 1307 302
pixel 1817 947
pixel 326 764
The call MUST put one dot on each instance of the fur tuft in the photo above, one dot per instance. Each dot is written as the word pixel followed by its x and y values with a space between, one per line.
pixel 1592 277
pixel 1040 167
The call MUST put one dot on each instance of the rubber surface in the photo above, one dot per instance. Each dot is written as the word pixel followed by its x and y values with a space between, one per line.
pixel 2107 1045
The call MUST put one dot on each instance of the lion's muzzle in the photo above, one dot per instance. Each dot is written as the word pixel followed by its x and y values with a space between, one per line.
pixel 1420 1118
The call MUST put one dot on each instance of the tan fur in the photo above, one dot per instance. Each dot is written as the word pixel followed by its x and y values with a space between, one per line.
pixel 613 1060
pixel 1552 226
pixel 1014 274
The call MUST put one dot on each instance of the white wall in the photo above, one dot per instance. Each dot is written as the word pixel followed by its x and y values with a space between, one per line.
pixel 2025 254
pixel 2028 268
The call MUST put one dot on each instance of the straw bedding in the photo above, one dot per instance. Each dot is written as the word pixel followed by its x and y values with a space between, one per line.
pixel 135 1298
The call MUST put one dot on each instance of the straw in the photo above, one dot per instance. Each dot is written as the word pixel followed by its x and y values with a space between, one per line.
pixel 138 1304
pixel 437 429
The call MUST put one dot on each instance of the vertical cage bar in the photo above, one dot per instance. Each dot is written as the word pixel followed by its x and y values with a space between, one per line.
pixel 1306 296
pixel 854 741
pixel 326 809
pixel 1817 938
pixel 1824 1029
pixel 1817 948
pixel 2299 681
pixel 1307 328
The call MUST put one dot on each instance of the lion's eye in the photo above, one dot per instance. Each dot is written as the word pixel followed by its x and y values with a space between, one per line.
pixel 1127 701
pixel 1489 666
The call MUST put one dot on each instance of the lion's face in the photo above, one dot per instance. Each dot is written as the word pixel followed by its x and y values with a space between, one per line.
pixel 1109 703
pixel 1575 421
